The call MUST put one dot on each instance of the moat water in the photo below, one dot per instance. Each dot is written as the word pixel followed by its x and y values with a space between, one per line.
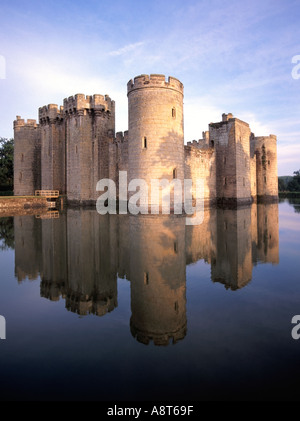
pixel 114 308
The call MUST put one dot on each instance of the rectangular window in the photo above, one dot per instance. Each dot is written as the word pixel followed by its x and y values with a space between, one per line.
pixel 146 278
pixel 175 173
pixel 144 142
pixel 173 112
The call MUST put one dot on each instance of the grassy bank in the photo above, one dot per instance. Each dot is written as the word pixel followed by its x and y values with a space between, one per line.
pixel 6 193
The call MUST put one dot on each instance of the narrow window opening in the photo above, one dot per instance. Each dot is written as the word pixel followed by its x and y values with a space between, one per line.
pixel 76 149
pixel 146 278
pixel 225 181
pixel 265 179
pixel 244 182
pixel 176 306
pixel 175 173
pixel 175 247
pixel 144 142
pixel 22 157
pixel 173 112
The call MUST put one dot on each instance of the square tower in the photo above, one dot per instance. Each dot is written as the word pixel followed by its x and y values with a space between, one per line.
pixel 231 140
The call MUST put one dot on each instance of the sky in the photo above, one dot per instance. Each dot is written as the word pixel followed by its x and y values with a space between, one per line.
pixel 235 57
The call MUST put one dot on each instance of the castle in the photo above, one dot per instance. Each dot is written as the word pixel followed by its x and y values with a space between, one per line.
pixel 75 145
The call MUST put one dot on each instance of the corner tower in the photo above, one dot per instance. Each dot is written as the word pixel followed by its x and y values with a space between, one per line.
pixel 27 157
pixel 266 167
pixel 155 131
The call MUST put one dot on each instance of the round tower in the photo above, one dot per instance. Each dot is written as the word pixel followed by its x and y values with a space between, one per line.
pixel 155 134
pixel 158 278
pixel 266 167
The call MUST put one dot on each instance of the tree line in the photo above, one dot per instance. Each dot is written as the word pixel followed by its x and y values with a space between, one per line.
pixel 289 184
pixel 6 164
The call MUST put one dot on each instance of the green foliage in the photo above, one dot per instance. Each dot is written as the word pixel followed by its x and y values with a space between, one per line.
pixel 288 183
pixel 6 162
pixel 294 184
pixel 281 184
pixel 7 237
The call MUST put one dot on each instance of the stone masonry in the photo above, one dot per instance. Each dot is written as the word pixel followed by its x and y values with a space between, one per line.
pixel 75 145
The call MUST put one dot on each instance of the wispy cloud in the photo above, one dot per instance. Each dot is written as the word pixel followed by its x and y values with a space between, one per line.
pixel 126 49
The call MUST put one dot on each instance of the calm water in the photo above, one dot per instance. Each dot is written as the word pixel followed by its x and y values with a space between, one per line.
pixel 147 308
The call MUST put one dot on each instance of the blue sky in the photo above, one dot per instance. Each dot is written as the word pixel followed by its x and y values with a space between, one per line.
pixel 231 57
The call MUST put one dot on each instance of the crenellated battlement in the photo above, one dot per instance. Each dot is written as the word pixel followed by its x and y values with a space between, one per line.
pixel 201 143
pixel 205 152
pixel 88 102
pixel 159 339
pixel 20 122
pixel 262 139
pixel 75 145
pixel 50 113
pixel 154 81
pixel 121 137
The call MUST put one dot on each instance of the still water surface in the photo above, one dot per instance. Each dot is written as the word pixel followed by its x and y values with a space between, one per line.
pixel 147 308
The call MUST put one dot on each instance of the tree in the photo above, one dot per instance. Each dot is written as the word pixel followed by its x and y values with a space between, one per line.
pixel 6 162
pixel 281 185
pixel 294 184
pixel 7 236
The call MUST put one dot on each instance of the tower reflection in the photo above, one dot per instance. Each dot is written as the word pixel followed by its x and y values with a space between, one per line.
pixel 157 268
pixel 80 256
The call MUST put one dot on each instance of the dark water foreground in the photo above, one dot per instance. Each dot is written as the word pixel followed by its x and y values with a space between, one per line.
pixel 147 308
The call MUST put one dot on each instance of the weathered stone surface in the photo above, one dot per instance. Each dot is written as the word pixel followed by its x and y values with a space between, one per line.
pixel 75 146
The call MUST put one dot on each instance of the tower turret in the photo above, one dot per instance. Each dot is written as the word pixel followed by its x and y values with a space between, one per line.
pixel 155 135
pixel 266 167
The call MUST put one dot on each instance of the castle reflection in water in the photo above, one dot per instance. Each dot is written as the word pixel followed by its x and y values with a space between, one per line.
pixel 80 255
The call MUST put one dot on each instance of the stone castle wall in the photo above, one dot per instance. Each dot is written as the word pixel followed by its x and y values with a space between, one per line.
pixel 27 157
pixel 89 128
pixel 74 146
pixel 201 164
pixel 231 140
pixel 266 166
pixel 155 135
pixel 52 133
